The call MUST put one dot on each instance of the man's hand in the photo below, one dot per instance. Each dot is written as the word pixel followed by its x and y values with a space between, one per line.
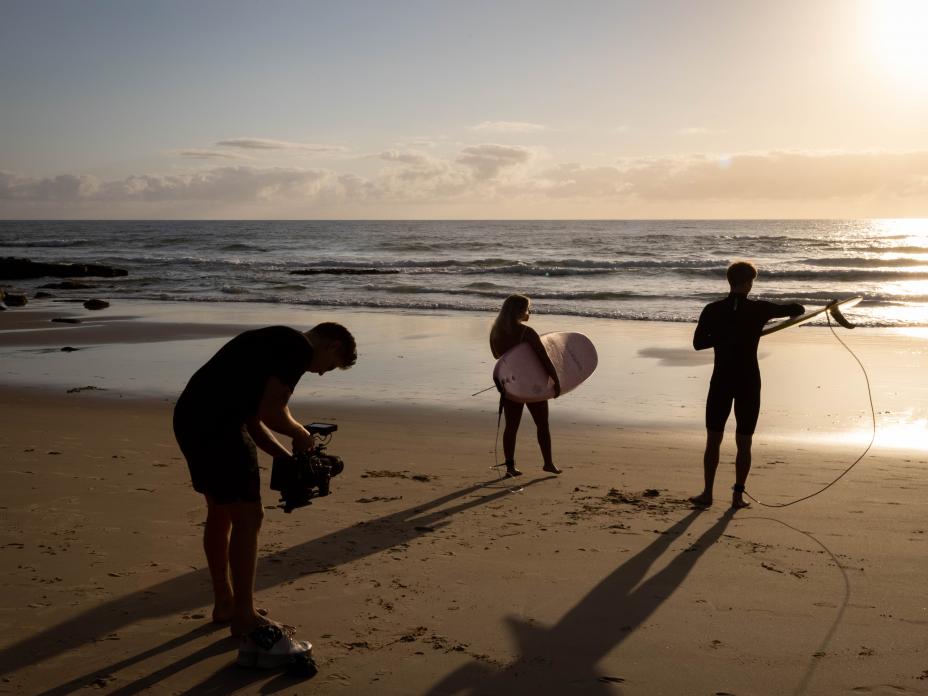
pixel 303 441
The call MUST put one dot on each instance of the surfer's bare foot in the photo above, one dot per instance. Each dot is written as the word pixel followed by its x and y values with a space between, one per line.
pixel 739 503
pixel 511 471
pixel 551 468
pixel 701 500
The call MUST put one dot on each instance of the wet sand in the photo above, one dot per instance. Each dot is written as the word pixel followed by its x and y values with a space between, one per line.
pixel 423 574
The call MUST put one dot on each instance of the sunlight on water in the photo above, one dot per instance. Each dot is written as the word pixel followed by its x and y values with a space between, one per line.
pixel 903 434
pixel 915 228
pixel 900 433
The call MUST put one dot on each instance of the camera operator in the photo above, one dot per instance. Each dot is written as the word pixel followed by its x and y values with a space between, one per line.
pixel 231 405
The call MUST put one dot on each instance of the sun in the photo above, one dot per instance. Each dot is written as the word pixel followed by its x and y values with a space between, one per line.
pixel 899 30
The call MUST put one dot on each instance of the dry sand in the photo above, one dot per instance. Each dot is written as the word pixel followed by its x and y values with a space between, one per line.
pixel 421 574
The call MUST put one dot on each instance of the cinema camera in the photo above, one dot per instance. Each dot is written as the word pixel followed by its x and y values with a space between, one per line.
pixel 305 475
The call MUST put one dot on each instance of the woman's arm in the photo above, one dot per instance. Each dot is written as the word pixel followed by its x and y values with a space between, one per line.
pixel 531 337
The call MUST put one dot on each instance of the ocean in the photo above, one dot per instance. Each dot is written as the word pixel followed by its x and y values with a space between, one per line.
pixel 637 270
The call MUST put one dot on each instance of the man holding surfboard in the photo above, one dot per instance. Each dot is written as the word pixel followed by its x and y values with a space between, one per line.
pixel 732 327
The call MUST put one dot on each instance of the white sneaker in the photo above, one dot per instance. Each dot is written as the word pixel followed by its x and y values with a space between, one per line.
pixel 268 647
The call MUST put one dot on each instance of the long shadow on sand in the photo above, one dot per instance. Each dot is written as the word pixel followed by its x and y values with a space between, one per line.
pixel 563 659
pixel 192 590
pixel 807 676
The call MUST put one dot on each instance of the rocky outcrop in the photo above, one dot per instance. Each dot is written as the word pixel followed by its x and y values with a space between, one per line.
pixel 18 269
pixel 15 299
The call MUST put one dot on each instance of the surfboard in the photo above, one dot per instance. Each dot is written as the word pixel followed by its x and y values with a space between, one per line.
pixel 522 377
pixel 834 308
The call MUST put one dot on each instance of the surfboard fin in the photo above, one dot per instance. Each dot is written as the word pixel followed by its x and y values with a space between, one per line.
pixel 838 317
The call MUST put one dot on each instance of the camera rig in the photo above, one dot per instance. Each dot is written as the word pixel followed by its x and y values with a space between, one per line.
pixel 302 476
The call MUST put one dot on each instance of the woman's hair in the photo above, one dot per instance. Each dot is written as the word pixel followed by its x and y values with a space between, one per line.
pixel 509 317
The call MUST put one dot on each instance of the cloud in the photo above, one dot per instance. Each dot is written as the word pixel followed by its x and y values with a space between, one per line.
pixel 484 179
pixel 487 161
pixel 66 187
pixel 509 127
pixel 745 177
pixel 781 175
pixel 209 154
pixel 268 144
pixel 220 184
pixel 411 158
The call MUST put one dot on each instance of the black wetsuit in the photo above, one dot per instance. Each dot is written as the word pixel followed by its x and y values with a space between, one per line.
pixel 732 327
pixel 211 415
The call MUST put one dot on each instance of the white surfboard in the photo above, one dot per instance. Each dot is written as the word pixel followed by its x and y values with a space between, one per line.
pixel 522 377
pixel 834 307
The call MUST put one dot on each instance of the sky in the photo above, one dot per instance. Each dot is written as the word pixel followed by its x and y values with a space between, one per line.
pixel 463 109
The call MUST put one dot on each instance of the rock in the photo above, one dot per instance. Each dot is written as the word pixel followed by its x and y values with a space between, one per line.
pixel 69 349
pixel 15 299
pixel 66 320
pixel 43 295
pixel 96 304
pixel 11 267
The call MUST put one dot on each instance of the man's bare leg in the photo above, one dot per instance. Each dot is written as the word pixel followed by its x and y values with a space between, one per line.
pixel 710 462
pixel 243 559
pixel 742 469
pixel 216 546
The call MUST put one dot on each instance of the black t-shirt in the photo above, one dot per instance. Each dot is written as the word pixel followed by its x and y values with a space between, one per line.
pixel 732 327
pixel 229 387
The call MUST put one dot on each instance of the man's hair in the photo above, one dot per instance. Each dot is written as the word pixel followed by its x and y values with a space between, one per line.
pixel 331 331
pixel 741 272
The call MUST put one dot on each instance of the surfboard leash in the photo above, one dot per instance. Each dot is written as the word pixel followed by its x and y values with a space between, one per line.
pixel 863 454
pixel 496 464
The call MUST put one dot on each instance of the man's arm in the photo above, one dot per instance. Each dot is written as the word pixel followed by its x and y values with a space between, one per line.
pixel 265 439
pixel 531 337
pixel 702 336
pixel 776 310
pixel 274 413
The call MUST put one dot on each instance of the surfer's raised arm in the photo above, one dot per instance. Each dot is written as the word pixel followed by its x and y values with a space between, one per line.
pixel 778 310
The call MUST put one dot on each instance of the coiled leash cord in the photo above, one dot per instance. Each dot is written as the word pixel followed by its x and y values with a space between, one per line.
pixel 856 461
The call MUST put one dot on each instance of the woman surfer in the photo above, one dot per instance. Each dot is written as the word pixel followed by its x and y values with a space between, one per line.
pixel 509 331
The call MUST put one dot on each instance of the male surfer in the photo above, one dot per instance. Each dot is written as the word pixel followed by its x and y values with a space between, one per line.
pixel 229 406
pixel 732 327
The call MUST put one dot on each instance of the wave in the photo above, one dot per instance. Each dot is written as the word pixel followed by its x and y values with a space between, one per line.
pixel 846 275
pixel 51 243
pixel 344 271
pixel 503 292
pixel 242 246
pixel 485 308
pixel 866 262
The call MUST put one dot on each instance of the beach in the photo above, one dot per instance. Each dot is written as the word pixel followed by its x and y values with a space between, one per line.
pixel 422 573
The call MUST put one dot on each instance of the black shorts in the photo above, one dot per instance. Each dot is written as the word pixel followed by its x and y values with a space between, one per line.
pixel 746 398
pixel 222 459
